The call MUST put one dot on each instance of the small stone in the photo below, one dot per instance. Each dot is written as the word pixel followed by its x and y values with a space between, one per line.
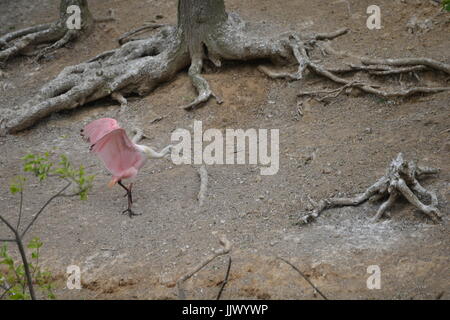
pixel 368 130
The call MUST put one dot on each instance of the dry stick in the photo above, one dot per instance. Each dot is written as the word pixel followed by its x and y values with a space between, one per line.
pixel 102 55
pixel 36 216
pixel 329 35
pixel 138 135
pixel 226 248
pixel 225 280
pixel 391 184
pixel 303 276
pixel 20 209
pixel 203 185
pixel 6 290
pixel 144 27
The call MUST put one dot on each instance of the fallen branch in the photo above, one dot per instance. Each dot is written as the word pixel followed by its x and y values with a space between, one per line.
pixel 304 277
pixel 226 248
pixel 400 179
pixel 203 185
pixel 225 280
pixel 152 26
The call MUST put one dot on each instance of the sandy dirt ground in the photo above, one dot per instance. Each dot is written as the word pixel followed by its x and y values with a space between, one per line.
pixel 353 139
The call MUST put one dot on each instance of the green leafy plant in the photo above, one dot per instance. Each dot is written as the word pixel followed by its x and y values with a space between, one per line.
pixel 14 281
pixel 41 166
pixel 19 276
pixel 446 5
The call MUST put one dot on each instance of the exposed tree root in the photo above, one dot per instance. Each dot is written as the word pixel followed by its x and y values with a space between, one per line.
pixel 126 37
pixel 378 67
pixel 136 67
pixel 204 31
pixel 400 179
pixel 57 33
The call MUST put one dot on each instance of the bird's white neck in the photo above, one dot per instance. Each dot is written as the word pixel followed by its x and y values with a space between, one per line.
pixel 152 154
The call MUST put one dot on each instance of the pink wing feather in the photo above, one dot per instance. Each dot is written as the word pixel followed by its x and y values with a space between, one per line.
pixel 97 129
pixel 119 154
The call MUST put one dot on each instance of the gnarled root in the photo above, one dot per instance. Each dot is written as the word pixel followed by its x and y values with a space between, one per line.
pixel 374 67
pixel 58 33
pixel 14 43
pixel 138 66
pixel 400 179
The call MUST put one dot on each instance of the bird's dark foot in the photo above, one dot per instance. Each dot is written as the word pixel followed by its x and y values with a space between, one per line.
pixel 131 213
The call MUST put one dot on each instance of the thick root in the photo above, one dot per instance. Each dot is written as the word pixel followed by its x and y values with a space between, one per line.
pixel 68 37
pixel 19 41
pixel 202 86
pixel 400 179
pixel 136 67
pixel 57 33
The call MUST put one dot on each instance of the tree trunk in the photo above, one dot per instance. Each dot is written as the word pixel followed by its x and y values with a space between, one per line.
pixel 197 20
pixel 87 20
pixel 57 33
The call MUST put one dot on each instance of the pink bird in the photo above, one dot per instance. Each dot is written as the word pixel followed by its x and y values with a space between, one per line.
pixel 122 157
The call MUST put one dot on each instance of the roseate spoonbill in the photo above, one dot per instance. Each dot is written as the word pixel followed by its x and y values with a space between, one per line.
pixel 122 156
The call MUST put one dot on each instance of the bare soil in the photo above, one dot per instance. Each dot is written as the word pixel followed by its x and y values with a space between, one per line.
pixel 123 258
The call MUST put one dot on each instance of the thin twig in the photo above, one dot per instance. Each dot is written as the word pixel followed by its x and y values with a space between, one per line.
pixel 45 206
pixel 226 248
pixel 20 209
pixel 138 135
pixel 102 55
pixel 303 276
pixel 144 27
pixel 6 291
pixel 225 280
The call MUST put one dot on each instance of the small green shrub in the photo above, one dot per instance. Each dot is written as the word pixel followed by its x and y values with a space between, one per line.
pixel 446 5
pixel 14 281
pixel 20 276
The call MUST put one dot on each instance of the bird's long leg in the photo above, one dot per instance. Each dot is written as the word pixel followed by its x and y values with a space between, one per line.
pixel 130 187
pixel 130 200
